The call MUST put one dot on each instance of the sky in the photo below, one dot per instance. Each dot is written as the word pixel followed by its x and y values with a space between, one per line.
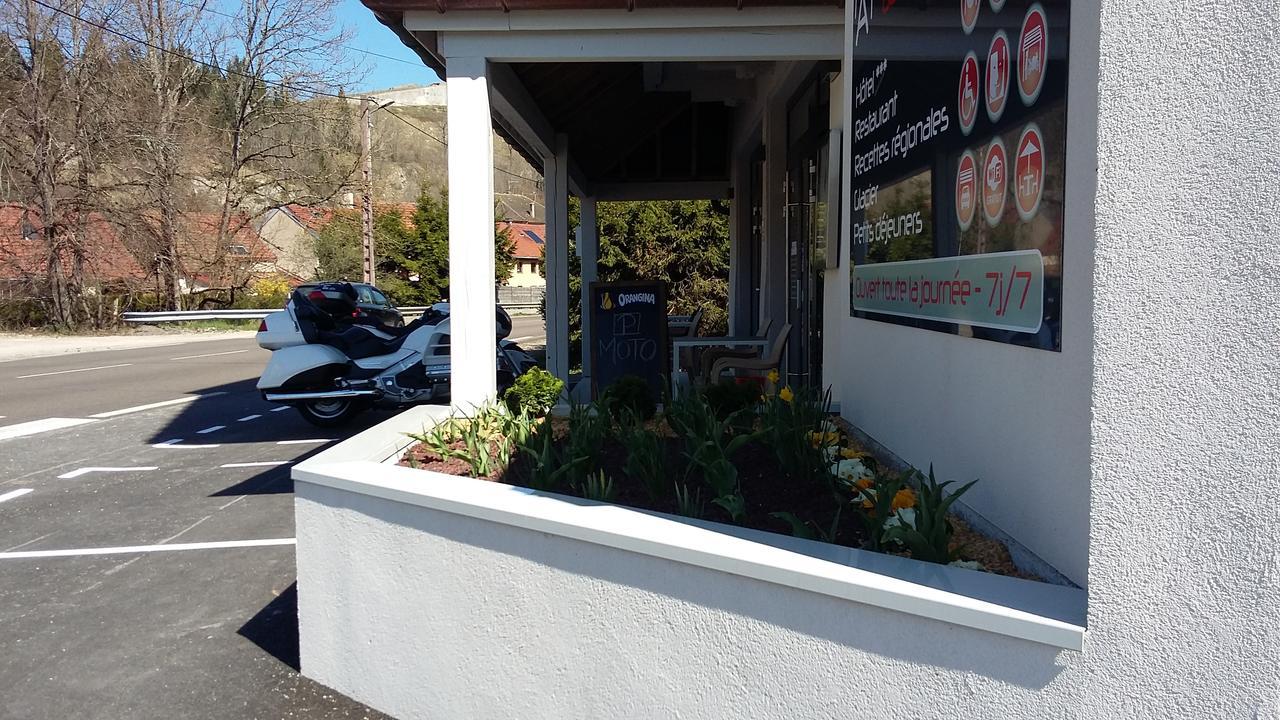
pixel 373 36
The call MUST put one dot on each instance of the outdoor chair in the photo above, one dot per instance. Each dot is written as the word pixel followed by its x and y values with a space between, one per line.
pixel 711 355
pixel 768 361
pixel 687 330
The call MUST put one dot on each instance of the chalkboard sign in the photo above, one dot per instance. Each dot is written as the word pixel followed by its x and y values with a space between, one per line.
pixel 629 333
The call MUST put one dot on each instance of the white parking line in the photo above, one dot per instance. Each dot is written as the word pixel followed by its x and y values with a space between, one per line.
pixel 131 549
pixel 14 494
pixel 208 430
pixel 64 372
pixel 152 406
pixel 269 463
pixel 305 442
pixel 174 443
pixel 280 409
pixel 247 418
pixel 87 470
pixel 193 357
pixel 39 426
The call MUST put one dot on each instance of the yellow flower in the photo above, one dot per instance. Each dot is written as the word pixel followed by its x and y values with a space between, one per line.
pixel 867 504
pixel 773 376
pixel 904 498
pixel 851 454
pixel 864 483
pixel 786 394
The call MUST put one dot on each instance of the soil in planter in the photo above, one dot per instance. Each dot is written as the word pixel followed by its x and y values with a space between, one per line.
pixel 764 487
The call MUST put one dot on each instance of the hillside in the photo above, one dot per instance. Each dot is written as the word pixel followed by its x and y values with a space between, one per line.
pixel 404 159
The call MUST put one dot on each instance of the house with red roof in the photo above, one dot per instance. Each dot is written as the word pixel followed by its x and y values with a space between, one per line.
pixel 529 239
pixel 24 255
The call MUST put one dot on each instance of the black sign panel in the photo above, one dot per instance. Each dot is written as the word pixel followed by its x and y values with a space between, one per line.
pixel 629 333
pixel 957 166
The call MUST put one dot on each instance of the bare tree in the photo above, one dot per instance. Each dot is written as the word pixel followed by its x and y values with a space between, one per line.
pixel 53 128
pixel 168 29
pixel 280 138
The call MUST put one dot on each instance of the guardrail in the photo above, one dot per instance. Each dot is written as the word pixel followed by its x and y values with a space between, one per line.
pixel 164 316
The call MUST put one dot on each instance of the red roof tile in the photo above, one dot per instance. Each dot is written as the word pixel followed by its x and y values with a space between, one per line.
pixel 23 254
pixel 529 238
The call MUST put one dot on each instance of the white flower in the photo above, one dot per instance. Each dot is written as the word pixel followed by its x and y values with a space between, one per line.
pixel 967 564
pixel 851 469
pixel 905 516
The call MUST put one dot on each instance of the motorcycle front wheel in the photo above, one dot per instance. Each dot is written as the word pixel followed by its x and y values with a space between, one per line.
pixel 329 412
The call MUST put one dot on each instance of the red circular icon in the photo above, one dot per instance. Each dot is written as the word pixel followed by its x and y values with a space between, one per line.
pixel 1033 54
pixel 967 97
pixel 996 87
pixel 966 189
pixel 969 14
pixel 1028 172
pixel 995 182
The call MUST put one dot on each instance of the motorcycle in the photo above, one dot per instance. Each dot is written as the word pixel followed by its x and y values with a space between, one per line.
pixel 332 369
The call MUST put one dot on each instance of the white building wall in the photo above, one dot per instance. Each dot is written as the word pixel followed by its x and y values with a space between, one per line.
pixel 1016 418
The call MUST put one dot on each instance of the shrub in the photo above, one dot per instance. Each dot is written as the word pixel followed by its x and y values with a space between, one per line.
pixel 534 393
pixel 629 393
pixel 731 398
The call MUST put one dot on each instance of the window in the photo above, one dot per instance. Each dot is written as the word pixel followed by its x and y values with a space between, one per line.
pixel 363 294
pixel 379 298
pixel 238 250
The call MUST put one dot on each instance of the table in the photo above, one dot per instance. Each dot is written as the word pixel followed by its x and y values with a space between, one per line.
pixel 681 343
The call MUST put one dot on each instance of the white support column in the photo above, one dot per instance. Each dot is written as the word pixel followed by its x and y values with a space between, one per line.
pixel 588 254
pixel 773 300
pixel 739 237
pixel 556 175
pixel 471 230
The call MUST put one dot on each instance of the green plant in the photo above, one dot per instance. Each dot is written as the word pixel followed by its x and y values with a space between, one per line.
pixel 874 498
pixel 535 392
pixel 710 446
pixel 597 487
pixel 514 430
pixel 810 530
pixel 924 528
pixel 628 393
pixel 550 466
pixel 689 505
pixel 477 447
pixel 588 429
pixel 734 504
pixel 796 427
pixel 646 461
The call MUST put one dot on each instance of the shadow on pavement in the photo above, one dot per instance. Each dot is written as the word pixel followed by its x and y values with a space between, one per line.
pixel 275 627
pixel 226 404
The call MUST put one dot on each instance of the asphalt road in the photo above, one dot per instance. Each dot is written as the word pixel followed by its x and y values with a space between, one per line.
pixel 101 615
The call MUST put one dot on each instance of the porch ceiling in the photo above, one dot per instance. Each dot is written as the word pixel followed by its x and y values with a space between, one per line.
pixel 621 129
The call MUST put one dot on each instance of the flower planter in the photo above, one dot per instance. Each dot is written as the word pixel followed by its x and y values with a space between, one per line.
pixel 425 594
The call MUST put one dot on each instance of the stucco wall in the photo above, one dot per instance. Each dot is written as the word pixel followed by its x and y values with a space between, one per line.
pixel 295 248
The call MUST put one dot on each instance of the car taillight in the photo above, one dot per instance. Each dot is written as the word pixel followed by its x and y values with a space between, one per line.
pixel 262 326
pixel 355 313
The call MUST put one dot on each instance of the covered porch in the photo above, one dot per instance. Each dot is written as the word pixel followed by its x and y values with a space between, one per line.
pixel 622 103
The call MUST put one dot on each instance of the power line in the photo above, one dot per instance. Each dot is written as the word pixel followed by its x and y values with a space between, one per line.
pixel 229 16
pixel 445 144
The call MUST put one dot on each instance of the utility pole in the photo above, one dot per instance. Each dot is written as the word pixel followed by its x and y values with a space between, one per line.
pixel 366 203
